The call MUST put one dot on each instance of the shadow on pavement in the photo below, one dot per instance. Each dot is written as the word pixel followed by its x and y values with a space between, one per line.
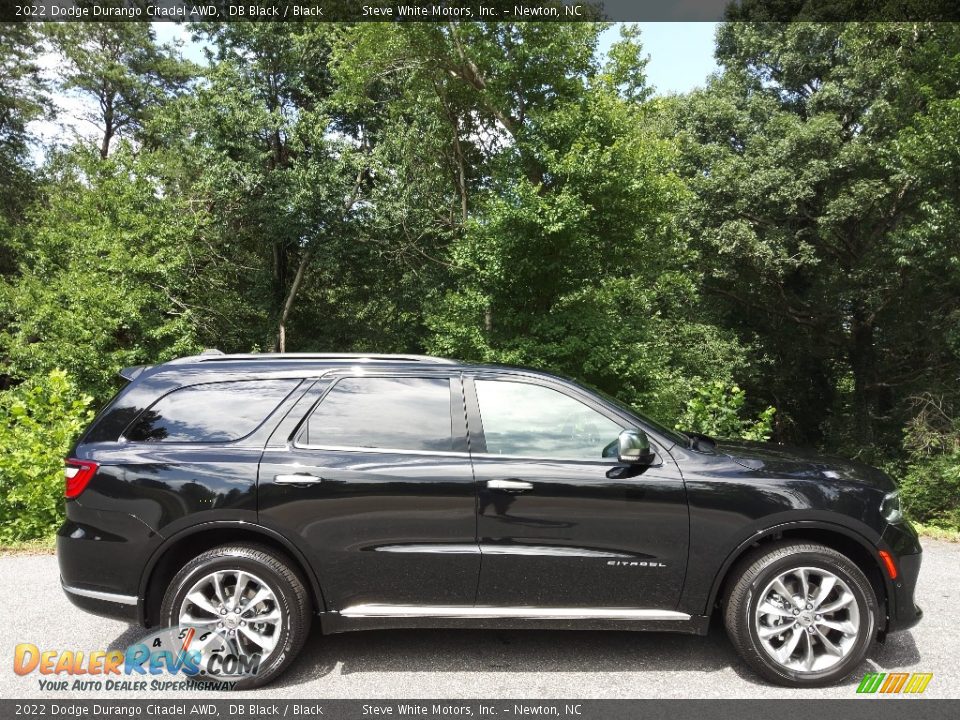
pixel 132 634
pixel 897 653
pixel 515 651
pixel 536 651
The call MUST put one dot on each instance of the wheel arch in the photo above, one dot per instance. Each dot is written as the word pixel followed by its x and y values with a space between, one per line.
pixel 178 549
pixel 838 537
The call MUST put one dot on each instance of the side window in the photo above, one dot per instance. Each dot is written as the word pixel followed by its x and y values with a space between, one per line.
pixel 536 421
pixel 402 413
pixel 214 412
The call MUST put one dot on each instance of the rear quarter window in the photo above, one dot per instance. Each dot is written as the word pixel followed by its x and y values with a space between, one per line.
pixel 213 412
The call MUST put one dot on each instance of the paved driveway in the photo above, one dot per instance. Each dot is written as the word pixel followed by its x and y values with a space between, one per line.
pixel 496 664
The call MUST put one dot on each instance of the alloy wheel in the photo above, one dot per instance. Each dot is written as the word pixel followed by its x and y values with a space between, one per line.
pixel 239 606
pixel 807 619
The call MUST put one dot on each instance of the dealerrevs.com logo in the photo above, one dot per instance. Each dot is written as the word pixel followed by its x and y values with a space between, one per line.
pixel 177 658
pixel 894 683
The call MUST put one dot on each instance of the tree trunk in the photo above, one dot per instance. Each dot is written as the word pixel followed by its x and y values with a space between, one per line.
pixel 461 177
pixel 863 363
pixel 291 296
pixel 108 130
pixel 281 342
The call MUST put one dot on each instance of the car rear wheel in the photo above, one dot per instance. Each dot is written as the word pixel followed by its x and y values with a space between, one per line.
pixel 250 612
pixel 801 614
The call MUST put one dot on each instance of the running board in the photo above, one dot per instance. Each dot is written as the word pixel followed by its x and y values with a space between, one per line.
pixel 539 613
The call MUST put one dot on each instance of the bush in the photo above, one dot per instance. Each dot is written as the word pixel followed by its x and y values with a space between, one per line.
pixel 39 419
pixel 715 410
pixel 930 483
pixel 930 489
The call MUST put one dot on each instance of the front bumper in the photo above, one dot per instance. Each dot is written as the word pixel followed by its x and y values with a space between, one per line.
pixel 904 612
pixel 902 542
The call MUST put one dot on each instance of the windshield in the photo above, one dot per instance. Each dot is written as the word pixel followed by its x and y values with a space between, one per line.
pixel 673 435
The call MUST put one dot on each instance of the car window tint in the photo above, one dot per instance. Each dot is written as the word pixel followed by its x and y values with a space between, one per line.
pixel 536 421
pixel 214 412
pixel 388 413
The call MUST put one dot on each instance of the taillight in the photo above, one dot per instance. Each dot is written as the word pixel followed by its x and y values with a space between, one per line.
pixel 77 474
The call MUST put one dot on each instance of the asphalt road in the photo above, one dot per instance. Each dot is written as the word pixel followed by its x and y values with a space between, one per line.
pixel 498 664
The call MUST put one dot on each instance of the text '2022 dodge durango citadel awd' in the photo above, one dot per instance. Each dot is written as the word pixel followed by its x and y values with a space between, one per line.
pixel 251 495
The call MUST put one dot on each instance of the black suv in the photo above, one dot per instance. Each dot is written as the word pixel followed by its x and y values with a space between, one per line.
pixel 252 494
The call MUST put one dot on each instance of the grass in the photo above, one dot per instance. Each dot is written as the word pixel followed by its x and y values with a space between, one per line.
pixel 937 533
pixel 44 546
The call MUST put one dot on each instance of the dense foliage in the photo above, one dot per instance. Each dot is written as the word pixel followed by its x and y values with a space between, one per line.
pixel 930 473
pixel 717 410
pixel 783 238
pixel 39 419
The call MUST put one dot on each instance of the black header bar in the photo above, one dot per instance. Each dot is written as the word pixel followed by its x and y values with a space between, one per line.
pixel 476 11
pixel 259 704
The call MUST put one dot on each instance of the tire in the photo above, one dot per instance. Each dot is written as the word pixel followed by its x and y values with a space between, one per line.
pixel 258 568
pixel 838 641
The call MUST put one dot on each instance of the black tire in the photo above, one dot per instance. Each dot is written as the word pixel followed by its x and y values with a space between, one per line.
pixel 751 577
pixel 277 571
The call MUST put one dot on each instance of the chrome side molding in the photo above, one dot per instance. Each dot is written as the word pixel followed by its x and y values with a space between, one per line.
pixel 98 595
pixel 504 549
pixel 541 613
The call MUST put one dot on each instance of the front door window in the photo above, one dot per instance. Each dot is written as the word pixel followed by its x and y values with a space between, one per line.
pixel 525 420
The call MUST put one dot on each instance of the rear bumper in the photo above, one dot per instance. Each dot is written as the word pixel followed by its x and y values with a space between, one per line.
pixel 98 602
pixel 100 568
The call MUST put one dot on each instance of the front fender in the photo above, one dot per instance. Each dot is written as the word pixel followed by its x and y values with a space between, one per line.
pixel 864 536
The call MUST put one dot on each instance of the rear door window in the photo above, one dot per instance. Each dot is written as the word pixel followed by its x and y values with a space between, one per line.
pixel 395 413
pixel 213 412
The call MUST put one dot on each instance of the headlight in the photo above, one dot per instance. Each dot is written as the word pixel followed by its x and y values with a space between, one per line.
pixel 890 507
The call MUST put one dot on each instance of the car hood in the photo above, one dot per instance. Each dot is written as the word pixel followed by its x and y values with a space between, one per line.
pixel 784 461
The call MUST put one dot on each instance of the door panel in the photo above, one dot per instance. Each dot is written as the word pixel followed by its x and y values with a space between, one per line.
pixel 579 538
pixel 382 525
pixel 575 533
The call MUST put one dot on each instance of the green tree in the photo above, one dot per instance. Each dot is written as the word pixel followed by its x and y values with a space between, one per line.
pixel 321 233
pixel 818 224
pixel 282 176
pixel 22 99
pixel 566 255
pixel 100 283
pixel 121 66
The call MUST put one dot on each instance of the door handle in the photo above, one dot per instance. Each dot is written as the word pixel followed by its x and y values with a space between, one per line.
pixel 297 479
pixel 509 485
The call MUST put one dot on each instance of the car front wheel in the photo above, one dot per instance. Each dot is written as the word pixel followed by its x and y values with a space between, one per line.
pixel 801 614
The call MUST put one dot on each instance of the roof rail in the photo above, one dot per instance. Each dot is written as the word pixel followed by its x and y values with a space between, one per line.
pixel 131 373
pixel 207 357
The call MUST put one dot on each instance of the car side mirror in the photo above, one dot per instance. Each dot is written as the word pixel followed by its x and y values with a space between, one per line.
pixel 633 448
